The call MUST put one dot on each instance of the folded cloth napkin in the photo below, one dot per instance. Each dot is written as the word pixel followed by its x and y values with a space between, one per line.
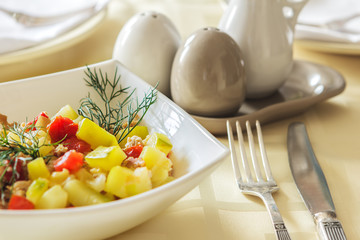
pixel 320 12
pixel 15 36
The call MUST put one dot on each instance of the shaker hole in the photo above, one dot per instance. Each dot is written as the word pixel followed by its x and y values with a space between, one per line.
pixel 210 28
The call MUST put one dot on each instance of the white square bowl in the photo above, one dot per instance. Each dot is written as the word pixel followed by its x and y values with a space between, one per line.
pixel 197 153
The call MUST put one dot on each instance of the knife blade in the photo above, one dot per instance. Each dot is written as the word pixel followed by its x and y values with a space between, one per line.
pixel 311 183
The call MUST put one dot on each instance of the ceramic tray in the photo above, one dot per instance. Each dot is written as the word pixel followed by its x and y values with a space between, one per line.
pixel 330 47
pixel 308 84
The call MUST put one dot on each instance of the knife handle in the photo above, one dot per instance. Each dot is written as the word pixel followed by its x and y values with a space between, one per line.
pixel 330 228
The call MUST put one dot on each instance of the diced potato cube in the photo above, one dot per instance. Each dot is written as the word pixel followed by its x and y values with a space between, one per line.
pixel 37 169
pixel 105 157
pixel 140 182
pixel 140 131
pixel 160 174
pixel 151 156
pixel 116 181
pixel 67 111
pixel 96 181
pixel 42 133
pixel 82 195
pixel 124 182
pixel 12 137
pixel 159 141
pixel 95 135
pixel 44 148
pixel 158 163
pixel 54 197
pixel 37 189
pixel 42 122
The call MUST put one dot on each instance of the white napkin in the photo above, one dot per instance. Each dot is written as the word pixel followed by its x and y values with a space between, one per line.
pixel 323 11
pixel 14 36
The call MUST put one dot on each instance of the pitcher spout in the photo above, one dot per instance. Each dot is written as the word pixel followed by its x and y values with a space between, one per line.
pixel 292 9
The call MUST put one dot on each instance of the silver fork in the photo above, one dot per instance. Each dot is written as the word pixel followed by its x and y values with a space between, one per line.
pixel 259 187
pixel 34 21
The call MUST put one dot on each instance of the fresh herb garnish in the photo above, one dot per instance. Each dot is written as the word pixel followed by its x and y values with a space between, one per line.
pixel 18 144
pixel 114 115
pixel 22 139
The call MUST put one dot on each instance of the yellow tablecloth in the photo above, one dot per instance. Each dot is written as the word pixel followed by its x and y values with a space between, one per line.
pixel 216 209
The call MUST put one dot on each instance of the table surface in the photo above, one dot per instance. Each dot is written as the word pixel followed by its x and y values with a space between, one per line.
pixel 216 209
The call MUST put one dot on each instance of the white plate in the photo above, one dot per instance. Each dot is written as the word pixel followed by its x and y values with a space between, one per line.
pixel 63 41
pixel 197 153
pixel 316 36
pixel 308 84
pixel 330 47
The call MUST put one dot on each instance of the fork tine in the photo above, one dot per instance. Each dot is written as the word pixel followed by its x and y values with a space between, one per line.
pixel 253 153
pixel 233 152
pixel 265 160
pixel 262 188
pixel 243 153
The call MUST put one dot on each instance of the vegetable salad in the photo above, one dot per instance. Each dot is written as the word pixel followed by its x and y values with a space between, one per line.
pixel 68 161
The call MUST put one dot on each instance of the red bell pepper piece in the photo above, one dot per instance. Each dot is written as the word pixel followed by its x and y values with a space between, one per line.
pixel 133 151
pixel 20 203
pixel 71 160
pixel 73 143
pixel 62 127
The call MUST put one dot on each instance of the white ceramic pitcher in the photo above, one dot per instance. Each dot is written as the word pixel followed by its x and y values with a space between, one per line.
pixel 264 30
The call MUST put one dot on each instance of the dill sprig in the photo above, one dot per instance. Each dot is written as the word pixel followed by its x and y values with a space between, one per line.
pixel 17 143
pixel 22 139
pixel 114 115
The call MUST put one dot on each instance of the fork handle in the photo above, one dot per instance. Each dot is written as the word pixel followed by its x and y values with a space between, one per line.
pixel 278 223
pixel 281 231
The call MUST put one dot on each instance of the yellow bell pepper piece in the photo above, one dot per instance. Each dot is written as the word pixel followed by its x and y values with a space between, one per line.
pixel 67 111
pixel 105 157
pixel 95 135
pixel 37 169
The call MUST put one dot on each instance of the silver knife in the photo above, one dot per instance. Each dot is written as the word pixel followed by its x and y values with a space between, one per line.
pixel 311 183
